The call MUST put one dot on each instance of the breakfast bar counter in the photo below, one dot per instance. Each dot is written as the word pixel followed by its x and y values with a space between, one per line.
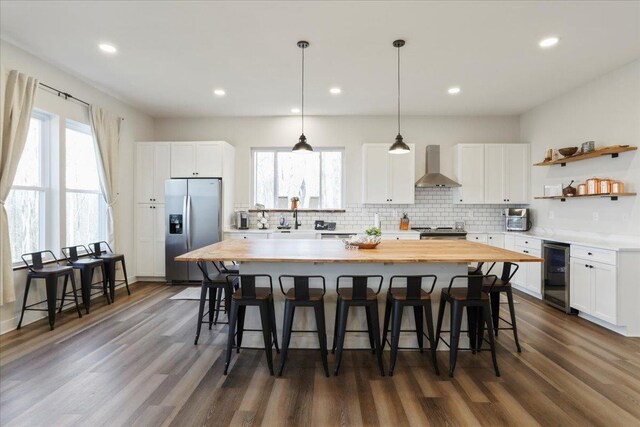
pixel 330 258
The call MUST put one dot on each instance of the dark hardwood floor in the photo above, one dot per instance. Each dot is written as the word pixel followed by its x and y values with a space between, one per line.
pixel 134 363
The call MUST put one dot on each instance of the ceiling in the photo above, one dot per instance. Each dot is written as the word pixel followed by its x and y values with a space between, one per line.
pixel 171 55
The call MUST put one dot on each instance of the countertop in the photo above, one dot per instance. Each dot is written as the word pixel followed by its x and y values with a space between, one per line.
pixel 311 230
pixel 331 251
pixel 595 242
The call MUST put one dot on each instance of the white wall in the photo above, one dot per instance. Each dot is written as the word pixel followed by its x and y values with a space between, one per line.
pixel 338 131
pixel 607 111
pixel 137 126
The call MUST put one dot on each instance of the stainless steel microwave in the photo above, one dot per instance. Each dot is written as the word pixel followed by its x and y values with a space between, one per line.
pixel 517 219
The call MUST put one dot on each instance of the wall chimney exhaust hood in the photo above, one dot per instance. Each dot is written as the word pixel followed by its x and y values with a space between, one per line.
pixel 432 177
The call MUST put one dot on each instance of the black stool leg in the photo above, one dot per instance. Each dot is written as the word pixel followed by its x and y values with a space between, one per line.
pixel 233 316
pixel 495 310
pixel 105 287
pixel 376 331
pixel 218 303
pixel 242 309
pixel 64 293
pixel 111 276
pixel 492 342
pixel 432 340
pixel 343 310
pixel 456 323
pixel 52 284
pixel 322 335
pixel 441 307
pixel 512 312
pixel 203 297
pixel 24 300
pixel 396 322
pixel 75 292
pixel 86 276
pixel 272 318
pixel 212 303
pixel 370 330
pixel 266 332
pixel 417 314
pixel 479 329
pixel 387 316
pixel 335 326
pixel 286 333
pixel 126 279
pixel 472 327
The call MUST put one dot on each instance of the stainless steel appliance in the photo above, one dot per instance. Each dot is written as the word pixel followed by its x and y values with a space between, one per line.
pixel 555 279
pixel 432 176
pixel 517 219
pixel 441 233
pixel 242 220
pixel 193 216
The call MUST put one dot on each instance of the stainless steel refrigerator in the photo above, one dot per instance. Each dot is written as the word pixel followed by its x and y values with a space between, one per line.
pixel 193 220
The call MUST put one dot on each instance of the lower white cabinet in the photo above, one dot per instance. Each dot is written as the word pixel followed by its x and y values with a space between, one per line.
pixel 400 236
pixel 529 275
pixel 246 236
pixel 150 240
pixel 593 289
pixel 477 237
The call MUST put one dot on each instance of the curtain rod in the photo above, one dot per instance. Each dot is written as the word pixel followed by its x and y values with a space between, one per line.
pixel 66 96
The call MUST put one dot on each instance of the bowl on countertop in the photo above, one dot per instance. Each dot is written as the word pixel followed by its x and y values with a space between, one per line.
pixel 568 151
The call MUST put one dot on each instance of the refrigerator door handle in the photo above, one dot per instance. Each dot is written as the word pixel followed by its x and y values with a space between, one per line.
pixel 188 216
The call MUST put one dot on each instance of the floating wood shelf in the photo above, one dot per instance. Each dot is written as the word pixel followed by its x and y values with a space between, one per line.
pixel 613 196
pixel 612 151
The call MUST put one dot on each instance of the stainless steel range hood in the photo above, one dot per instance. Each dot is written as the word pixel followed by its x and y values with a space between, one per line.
pixel 432 176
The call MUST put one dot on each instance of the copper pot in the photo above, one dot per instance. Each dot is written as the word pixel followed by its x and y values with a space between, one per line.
pixel 593 186
pixel 605 186
pixel 617 187
pixel 582 189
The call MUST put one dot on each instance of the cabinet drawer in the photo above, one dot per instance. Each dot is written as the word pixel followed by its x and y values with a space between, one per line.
pixel 496 239
pixel 246 236
pixel 528 242
pixel 400 236
pixel 594 254
pixel 529 251
pixel 477 237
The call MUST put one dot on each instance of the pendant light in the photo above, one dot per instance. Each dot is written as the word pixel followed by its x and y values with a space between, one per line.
pixel 399 147
pixel 302 144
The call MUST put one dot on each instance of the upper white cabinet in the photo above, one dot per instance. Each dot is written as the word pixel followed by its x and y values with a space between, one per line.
pixel 492 173
pixel 196 159
pixel 469 166
pixel 387 178
pixel 152 169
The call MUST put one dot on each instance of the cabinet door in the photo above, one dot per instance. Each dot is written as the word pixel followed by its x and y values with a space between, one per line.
pixel 208 160
pixel 144 172
pixel 158 248
pixel 471 173
pixel 534 274
pixel 580 285
pixel 516 166
pixel 494 173
pixel 496 240
pixel 183 160
pixel 375 177
pixel 161 170
pixel 402 177
pixel 477 237
pixel 605 296
pixel 145 217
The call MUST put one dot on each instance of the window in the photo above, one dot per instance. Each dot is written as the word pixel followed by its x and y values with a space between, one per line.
pixel 85 207
pixel 26 202
pixel 316 178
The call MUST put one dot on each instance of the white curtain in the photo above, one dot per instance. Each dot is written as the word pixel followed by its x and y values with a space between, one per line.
pixel 106 137
pixel 19 94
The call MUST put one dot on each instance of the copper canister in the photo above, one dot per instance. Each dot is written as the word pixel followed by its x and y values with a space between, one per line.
pixel 582 189
pixel 605 186
pixel 593 186
pixel 617 187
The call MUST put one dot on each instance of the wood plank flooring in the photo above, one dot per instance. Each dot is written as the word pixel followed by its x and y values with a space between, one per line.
pixel 134 363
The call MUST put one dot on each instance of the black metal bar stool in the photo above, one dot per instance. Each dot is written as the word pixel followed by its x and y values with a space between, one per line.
pixel 86 266
pixel 50 273
pixel 476 300
pixel 503 284
pixel 302 295
pixel 103 251
pixel 250 295
pixel 410 296
pixel 214 285
pixel 358 295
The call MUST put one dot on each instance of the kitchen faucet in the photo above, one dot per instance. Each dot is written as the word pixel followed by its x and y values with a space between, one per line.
pixel 296 224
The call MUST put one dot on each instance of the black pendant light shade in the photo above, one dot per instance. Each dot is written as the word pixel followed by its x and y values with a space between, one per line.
pixel 399 147
pixel 302 144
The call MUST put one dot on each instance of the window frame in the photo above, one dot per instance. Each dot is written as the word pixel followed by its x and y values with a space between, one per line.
pixel 275 150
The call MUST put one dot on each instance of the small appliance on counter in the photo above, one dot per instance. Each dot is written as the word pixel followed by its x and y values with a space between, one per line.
pixel 242 220
pixel 517 219
pixel 321 225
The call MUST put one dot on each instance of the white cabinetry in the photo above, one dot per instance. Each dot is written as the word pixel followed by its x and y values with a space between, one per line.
pixel 492 173
pixel 197 159
pixel 246 236
pixel 387 178
pixel 150 240
pixel 390 235
pixel 152 169
pixel 529 275
pixel 593 283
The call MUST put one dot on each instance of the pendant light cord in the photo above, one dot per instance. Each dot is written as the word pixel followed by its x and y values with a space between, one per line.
pixel 302 107
pixel 398 90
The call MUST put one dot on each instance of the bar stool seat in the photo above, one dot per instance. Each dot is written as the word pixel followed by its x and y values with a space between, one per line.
pixel 314 294
pixel 51 270
pixel 461 294
pixel 347 295
pixel 401 294
pixel 261 294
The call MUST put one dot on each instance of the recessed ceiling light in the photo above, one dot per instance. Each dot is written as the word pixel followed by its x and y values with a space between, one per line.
pixel 108 48
pixel 548 42
pixel 295 110
pixel 454 90
pixel 219 92
pixel 335 90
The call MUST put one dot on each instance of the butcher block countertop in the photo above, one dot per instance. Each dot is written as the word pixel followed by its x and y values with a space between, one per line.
pixel 333 251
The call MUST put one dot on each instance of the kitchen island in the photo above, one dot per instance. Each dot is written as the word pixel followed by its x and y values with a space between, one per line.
pixel 330 258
